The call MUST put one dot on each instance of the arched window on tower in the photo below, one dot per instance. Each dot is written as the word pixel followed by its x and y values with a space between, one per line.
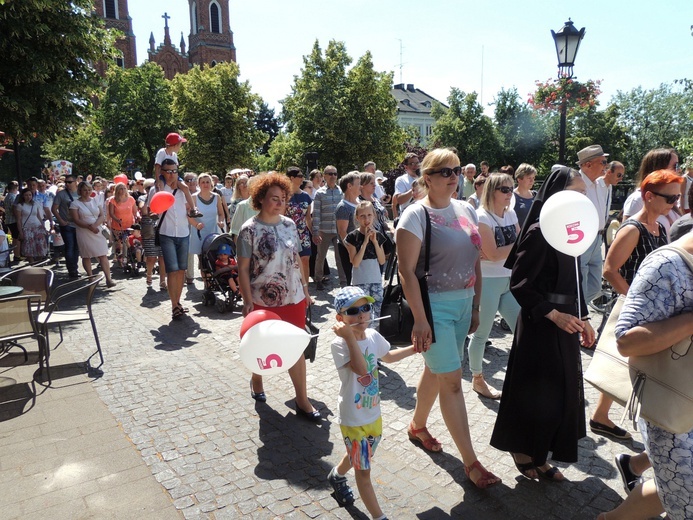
pixel 110 8
pixel 193 17
pixel 215 17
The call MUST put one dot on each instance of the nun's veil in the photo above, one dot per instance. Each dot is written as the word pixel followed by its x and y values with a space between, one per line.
pixel 556 182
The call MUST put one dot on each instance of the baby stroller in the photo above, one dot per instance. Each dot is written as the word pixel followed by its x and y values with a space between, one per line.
pixel 218 281
pixel 129 261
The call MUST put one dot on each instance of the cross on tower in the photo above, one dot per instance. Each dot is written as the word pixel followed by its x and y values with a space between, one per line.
pixel 166 17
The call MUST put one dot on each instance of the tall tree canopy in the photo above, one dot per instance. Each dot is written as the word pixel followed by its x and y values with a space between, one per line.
pixel 347 116
pixel 48 49
pixel 135 113
pixel 217 114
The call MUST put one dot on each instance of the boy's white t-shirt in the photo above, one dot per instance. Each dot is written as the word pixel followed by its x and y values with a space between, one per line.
pixel 161 155
pixel 359 396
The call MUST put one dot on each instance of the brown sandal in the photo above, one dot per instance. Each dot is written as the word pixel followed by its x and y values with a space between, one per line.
pixel 486 479
pixel 430 444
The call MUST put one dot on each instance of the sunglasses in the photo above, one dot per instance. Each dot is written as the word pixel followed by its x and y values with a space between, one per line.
pixel 331 173
pixel 170 171
pixel 69 182
pixel 504 189
pixel 448 172
pixel 670 199
pixel 294 175
pixel 355 311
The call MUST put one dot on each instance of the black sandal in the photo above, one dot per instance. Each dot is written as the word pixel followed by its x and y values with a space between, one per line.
pixel 524 467
pixel 550 474
pixel 177 313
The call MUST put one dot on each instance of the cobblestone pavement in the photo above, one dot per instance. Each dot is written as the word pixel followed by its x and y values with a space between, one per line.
pixel 180 394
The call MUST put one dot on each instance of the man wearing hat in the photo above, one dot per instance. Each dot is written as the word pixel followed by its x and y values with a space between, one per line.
pixel 592 162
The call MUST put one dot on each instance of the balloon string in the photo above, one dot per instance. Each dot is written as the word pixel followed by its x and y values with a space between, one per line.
pixel 577 278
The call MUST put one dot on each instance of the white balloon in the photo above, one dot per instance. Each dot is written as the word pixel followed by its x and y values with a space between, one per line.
pixel 272 347
pixel 569 222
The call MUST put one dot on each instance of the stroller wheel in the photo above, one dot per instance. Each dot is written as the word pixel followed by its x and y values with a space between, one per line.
pixel 221 305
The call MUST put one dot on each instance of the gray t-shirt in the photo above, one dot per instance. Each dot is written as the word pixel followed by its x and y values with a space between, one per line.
pixel 63 199
pixel 455 244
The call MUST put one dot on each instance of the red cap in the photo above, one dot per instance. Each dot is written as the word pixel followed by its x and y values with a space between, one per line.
pixel 173 139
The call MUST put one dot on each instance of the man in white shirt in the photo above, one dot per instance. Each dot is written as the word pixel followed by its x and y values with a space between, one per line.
pixel 404 193
pixel 614 174
pixel 592 162
pixel 465 188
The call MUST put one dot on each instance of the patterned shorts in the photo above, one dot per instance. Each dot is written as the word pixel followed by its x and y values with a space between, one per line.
pixel 361 442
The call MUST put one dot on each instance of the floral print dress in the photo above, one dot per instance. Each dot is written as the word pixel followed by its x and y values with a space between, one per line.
pixel 662 288
pixel 275 269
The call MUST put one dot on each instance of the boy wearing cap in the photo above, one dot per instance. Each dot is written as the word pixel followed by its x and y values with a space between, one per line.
pixel 174 142
pixel 356 351
pixel 226 264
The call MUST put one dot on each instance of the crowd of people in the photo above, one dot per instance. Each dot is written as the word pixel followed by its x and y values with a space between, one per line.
pixel 477 242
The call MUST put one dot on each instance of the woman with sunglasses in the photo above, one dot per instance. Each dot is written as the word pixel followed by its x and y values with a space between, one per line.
pixel 499 229
pixel 454 287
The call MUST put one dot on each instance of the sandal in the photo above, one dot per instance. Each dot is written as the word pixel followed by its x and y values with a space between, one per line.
pixel 524 467
pixel 551 474
pixel 149 281
pixel 485 480
pixel 163 286
pixel 429 444
pixel 484 390
pixel 177 313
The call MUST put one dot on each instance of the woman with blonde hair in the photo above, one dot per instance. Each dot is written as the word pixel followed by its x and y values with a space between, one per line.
pixel 122 210
pixel 454 288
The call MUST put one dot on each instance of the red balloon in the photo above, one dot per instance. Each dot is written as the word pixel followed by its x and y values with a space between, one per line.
pixel 161 202
pixel 121 178
pixel 93 194
pixel 256 317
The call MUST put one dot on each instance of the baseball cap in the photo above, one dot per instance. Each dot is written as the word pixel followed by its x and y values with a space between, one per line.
pixel 174 138
pixel 347 296
pixel 224 249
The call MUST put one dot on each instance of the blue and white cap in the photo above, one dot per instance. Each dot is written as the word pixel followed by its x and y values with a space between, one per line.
pixel 347 296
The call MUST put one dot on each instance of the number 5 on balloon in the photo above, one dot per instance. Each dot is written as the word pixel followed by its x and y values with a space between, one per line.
pixel 267 362
pixel 575 234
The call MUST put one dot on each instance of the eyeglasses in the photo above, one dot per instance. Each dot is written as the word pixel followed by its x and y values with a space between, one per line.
pixel 190 180
pixel 619 175
pixel 294 175
pixel 170 171
pixel 448 172
pixel 676 167
pixel 670 199
pixel 355 311
pixel 331 173
pixel 69 182
pixel 504 189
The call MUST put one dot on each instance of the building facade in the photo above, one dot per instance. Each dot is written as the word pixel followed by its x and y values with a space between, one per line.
pixel 414 109
pixel 115 14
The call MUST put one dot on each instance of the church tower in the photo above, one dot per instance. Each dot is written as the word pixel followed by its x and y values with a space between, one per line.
pixel 115 14
pixel 172 60
pixel 211 38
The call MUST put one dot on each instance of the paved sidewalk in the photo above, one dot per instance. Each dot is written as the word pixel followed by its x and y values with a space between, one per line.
pixel 170 429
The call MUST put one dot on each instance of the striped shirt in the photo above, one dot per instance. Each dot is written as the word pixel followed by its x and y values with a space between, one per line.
pixel 324 207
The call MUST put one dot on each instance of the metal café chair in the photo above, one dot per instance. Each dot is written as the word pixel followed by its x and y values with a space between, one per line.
pixel 34 280
pixel 18 322
pixel 61 310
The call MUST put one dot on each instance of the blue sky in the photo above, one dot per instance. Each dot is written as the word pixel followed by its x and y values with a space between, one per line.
pixel 628 43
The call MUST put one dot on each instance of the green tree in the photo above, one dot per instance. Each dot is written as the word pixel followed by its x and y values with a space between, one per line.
pixel 267 122
pixel 521 130
pixel 135 113
pixel 464 126
pixel 654 118
pixel 348 117
pixel 217 114
pixel 48 49
pixel 286 150
pixel 590 126
pixel 84 148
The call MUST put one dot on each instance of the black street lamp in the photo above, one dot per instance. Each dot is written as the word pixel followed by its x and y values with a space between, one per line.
pixel 567 42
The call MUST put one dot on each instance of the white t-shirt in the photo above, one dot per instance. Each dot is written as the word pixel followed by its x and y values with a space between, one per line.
pixel 359 397
pixel 4 255
pixel 403 183
pixel 175 222
pixel 598 194
pixel 161 155
pixel 505 232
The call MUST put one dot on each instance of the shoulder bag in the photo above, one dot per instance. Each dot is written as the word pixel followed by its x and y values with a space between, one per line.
pixel 397 329
pixel 657 387
pixel 311 350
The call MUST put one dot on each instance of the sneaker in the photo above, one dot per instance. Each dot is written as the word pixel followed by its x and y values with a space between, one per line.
pixel 614 432
pixel 630 479
pixel 342 492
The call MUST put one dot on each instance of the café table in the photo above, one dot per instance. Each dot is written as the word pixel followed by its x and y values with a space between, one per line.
pixel 7 291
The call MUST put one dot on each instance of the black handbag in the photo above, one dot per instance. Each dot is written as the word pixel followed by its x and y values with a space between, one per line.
pixel 311 350
pixel 397 329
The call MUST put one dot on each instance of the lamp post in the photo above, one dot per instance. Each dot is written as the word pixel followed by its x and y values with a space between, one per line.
pixel 567 41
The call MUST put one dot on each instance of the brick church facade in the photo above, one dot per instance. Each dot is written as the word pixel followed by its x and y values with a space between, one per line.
pixel 210 39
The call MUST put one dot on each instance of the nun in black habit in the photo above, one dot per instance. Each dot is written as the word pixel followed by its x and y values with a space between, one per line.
pixel 542 408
